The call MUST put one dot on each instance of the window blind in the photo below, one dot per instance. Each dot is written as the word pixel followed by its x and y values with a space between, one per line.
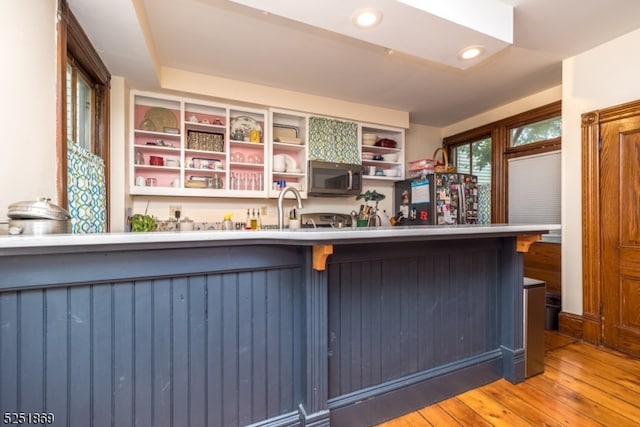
pixel 534 189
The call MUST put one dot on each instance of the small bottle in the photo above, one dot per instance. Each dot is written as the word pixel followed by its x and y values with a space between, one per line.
pixel 254 221
pixel 247 224
pixel 259 222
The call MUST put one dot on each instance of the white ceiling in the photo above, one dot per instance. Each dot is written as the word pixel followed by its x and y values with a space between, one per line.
pixel 225 39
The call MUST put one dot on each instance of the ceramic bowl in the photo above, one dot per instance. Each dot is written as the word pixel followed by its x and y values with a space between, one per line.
pixel 369 138
pixel 390 157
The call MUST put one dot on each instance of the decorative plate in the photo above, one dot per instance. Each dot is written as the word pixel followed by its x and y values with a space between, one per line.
pixel 245 124
pixel 159 118
pixel 290 163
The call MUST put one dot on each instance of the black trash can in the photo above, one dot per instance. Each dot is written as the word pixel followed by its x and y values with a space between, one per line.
pixel 553 307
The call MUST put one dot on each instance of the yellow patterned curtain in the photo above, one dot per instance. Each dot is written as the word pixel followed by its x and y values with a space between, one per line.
pixel 333 140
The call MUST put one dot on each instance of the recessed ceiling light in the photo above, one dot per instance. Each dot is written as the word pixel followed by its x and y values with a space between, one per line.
pixel 366 18
pixel 470 52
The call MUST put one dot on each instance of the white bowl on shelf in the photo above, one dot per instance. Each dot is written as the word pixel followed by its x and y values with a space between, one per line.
pixel 390 172
pixel 369 138
pixel 172 162
pixel 390 157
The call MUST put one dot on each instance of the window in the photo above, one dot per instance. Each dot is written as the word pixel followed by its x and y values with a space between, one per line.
pixel 486 151
pixel 534 189
pixel 536 132
pixel 475 158
pixel 83 100
pixel 80 107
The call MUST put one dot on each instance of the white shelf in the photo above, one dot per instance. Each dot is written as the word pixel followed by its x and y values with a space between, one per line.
pixel 384 132
pixel 219 117
pixel 208 117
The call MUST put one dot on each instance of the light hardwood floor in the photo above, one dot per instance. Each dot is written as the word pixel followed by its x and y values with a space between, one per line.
pixel 582 385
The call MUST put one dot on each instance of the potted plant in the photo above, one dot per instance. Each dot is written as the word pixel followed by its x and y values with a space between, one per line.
pixel 143 222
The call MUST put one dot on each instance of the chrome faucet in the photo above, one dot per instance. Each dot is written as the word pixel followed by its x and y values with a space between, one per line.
pixel 281 201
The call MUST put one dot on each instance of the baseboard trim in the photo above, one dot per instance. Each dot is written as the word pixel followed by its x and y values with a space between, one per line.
pixel 390 400
pixel 571 325
pixel 292 419
pixel 317 419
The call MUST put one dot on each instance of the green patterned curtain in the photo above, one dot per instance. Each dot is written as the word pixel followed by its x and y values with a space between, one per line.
pixel 333 140
pixel 484 203
pixel 86 190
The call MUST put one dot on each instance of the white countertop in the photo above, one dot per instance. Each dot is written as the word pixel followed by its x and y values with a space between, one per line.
pixel 304 237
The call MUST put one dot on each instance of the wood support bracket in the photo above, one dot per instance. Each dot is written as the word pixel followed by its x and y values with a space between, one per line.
pixel 320 255
pixel 523 243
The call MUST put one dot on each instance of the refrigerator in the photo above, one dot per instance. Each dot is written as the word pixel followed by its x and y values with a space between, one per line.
pixel 436 199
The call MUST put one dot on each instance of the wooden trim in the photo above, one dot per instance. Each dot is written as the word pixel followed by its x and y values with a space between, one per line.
pixel 61 122
pixel 591 243
pixel 80 45
pixel 523 243
pixel 570 324
pixel 499 183
pixel 617 112
pixel 320 255
pixel 554 144
pixel 592 216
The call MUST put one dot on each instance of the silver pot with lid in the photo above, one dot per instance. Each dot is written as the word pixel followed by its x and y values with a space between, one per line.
pixel 38 217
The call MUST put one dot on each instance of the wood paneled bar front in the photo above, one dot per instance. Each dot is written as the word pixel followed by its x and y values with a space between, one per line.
pixel 267 328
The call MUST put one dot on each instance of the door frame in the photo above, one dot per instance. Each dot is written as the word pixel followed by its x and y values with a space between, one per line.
pixel 592 280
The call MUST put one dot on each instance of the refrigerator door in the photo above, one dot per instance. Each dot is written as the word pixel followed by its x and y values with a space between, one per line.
pixel 468 196
pixel 413 201
pixel 446 197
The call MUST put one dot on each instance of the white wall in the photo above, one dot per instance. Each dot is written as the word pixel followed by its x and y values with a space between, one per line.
pixel 27 105
pixel 207 85
pixel 602 77
pixel 516 107
pixel 422 141
pixel 118 179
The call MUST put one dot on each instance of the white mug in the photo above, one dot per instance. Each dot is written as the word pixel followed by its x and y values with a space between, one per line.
pixel 186 225
pixel 294 224
pixel 279 163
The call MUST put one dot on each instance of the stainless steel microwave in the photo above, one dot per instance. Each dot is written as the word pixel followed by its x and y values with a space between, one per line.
pixel 334 179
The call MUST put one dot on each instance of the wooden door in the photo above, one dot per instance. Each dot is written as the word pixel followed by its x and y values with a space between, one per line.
pixel 620 233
